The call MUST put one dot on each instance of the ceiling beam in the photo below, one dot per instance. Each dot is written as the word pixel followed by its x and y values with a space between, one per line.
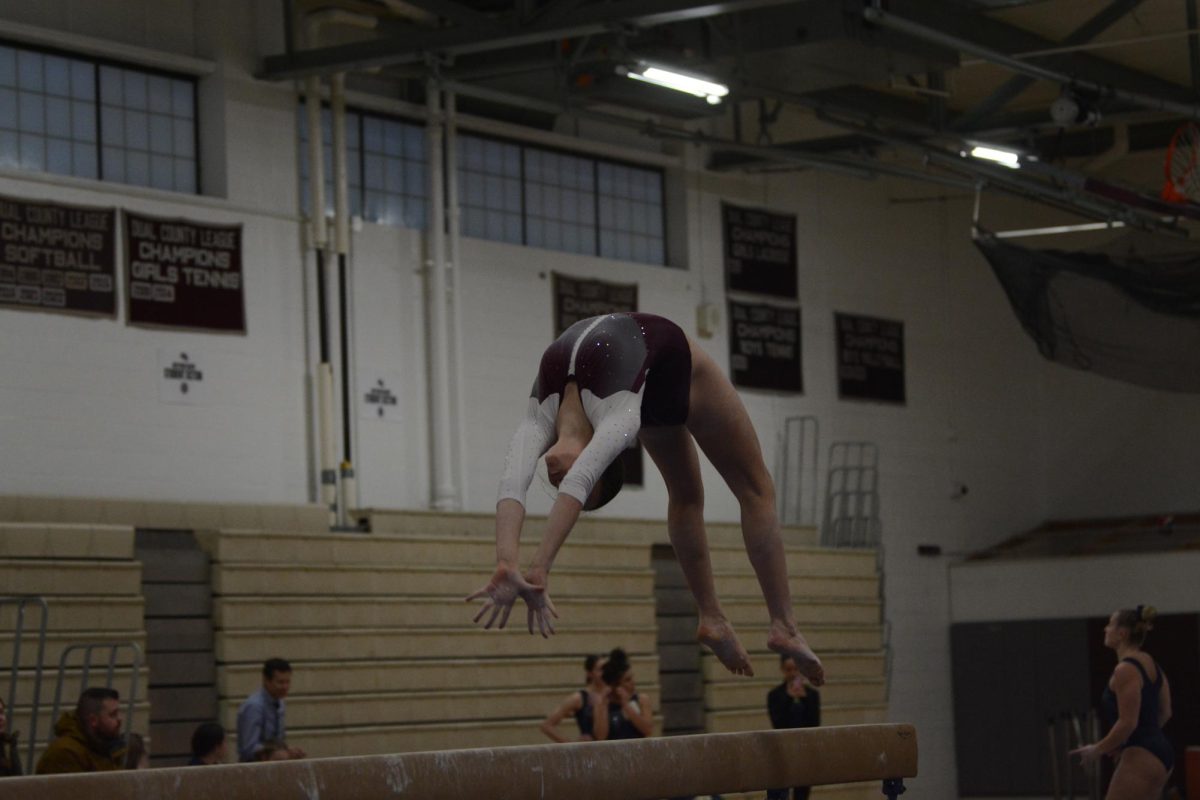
pixel 448 9
pixel 1009 90
pixel 413 46
pixel 951 19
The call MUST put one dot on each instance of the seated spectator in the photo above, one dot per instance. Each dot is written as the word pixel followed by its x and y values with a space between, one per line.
pixel 208 745
pixel 262 717
pixel 136 754
pixel 272 750
pixel 89 738
pixel 10 760
pixel 621 713
pixel 579 704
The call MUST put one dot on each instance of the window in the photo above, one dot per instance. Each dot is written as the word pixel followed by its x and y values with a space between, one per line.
pixel 386 169
pixel 560 201
pixel 75 116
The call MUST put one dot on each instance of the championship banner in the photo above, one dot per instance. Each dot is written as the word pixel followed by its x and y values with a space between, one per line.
pixel 183 274
pixel 870 358
pixel 760 251
pixel 580 298
pixel 764 347
pixel 56 257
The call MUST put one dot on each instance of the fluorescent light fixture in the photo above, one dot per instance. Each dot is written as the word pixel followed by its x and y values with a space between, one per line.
pixel 1007 158
pixel 1056 229
pixel 680 82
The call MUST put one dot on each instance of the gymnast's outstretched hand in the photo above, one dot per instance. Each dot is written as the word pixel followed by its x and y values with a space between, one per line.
pixel 502 591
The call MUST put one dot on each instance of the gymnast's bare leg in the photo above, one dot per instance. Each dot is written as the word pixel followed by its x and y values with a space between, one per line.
pixel 674 454
pixel 719 422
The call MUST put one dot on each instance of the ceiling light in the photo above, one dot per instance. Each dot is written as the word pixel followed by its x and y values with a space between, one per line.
pixel 1007 158
pixel 680 82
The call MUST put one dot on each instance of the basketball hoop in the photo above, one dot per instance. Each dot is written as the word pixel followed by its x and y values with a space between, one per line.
pixel 1182 167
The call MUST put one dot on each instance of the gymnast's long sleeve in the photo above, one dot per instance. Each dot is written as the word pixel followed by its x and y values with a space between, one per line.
pixel 534 436
pixel 617 430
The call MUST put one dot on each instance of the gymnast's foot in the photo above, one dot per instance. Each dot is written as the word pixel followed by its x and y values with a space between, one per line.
pixel 787 641
pixel 717 635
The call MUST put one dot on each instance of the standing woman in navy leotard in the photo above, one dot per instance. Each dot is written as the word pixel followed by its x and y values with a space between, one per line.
pixel 1137 703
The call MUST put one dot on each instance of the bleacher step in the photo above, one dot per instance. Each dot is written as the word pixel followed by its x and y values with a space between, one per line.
pixel 65 541
pixel 752 693
pixel 837 665
pixel 53 577
pixel 755 719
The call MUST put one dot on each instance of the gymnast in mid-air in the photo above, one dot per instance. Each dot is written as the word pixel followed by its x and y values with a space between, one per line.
pixel 604 383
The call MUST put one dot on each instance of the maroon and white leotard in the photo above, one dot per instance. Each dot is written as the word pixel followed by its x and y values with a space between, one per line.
pixel 631 369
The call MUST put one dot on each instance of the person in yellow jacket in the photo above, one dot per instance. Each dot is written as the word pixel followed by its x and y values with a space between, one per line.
pixel 89 738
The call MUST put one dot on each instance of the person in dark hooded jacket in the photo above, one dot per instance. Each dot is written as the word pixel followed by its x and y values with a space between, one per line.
pixel 89 738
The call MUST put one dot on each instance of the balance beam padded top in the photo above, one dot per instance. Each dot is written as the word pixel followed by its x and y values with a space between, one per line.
pixel 638 769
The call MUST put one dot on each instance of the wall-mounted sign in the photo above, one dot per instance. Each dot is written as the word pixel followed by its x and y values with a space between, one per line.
pixel 183 274
pixel 764 347
pixel 181 380
pixel 56 257
pixel 870 358
pixel 377 393
pixel 580 298
pixel 760 251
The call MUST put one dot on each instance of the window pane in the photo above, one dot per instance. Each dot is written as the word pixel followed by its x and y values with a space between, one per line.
pixel 183 99
pixel 8 108
pixel 114 164
pixel 159 92
pixel 83 121
pixel 33 152
pixel 162 172
pixel 8 66
pixel 9 149
pixel 112 88
pixel 31 112
pixel 162 138
pixel 112 125
pixel 83 81
pixel 29 70
pixel 137 168
pixel 185 139
pixel 58 117
pixel 135 90
pixel 58 76
pixel 373 134
pixel 58 156
pixel 84 159
pixel 137 130
pixel 185 175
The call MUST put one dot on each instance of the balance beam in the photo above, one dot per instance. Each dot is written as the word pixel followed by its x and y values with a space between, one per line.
pixel 638 769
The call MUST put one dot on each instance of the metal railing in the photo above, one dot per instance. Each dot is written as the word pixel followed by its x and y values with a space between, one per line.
pixel 84 681
pixel 798 498
pixel 21 602
pixel 852 516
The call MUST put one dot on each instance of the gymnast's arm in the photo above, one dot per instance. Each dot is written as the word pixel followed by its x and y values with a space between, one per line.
pixel 611 435
pixel 1164 701
pixel 531 440
pixel 1127 687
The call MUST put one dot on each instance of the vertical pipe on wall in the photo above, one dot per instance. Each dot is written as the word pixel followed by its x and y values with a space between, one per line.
pixel 341 218
pixel 456 290
pixel 440 401
pixel 320 240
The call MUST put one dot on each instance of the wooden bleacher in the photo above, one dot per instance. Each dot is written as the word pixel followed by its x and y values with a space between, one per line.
pixel 386 658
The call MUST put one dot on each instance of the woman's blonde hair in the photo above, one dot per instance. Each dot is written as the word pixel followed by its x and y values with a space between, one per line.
pixel 1138 621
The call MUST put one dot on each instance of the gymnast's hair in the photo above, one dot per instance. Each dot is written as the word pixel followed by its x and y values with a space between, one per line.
pixel 611 481
pixel 1138 621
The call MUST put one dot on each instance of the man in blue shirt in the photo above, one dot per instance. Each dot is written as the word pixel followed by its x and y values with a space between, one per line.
pixel 261 719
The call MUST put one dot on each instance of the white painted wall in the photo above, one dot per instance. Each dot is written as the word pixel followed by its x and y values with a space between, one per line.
pixel 80 414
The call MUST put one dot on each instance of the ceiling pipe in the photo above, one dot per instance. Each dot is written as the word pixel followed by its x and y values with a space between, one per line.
pixel 650 128
pixel 884 19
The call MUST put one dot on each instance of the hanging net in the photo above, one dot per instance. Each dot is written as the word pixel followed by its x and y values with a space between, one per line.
pixel 1129 310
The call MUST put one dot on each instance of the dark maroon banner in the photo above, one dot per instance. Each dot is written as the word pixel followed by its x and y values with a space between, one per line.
pixel 870 358
pixel 764 347
pixel 56 257
pixel 184 274
pixel 760 251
